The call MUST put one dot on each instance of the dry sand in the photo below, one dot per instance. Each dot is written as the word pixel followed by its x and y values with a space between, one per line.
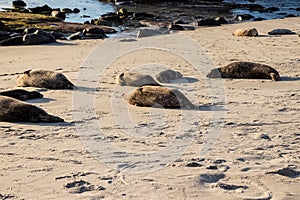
pixel 259 122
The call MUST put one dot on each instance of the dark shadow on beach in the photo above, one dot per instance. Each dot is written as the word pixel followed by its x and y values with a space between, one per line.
pixel 210 107
pixel 40 100
pixel 286 78
pixel 60 43
pixel 62 124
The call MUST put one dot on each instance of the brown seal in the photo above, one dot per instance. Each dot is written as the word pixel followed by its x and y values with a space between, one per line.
pixel 44 79
pixel 135 79
pixel 21 94
pixel 166 76
pixel 252 32
pixel 155 96
pixel 248 70
pixel 13 110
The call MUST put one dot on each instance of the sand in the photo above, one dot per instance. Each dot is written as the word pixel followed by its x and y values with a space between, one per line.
pixel 230 148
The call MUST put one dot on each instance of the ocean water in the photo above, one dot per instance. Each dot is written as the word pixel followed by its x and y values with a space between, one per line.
pixel 93 8
pixel 285 6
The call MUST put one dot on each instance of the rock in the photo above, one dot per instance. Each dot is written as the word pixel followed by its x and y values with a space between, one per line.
pixel 193 164
pixel 67 10
pixel 287 171
pixel 259 19
pixel 250 32
pixel 208 22
pixel 18 4
pixel 57 35
pixel 45 9
pixel 226 186
pixel 17 40
pixel 221 20
pixel 94 30
pixel 298 9
pixel 122 13
pixel 290 15
pixel 2 26
pixel 143 16
pixel 271 9
pixel 58 14
pixel 4 35
pixel 244 17
pixel 29 30
pixel 281 31
pixel 35 39
pixel 76 10
pixel 175 27
pixel 210 178
pixel 76 36
pixel 265 136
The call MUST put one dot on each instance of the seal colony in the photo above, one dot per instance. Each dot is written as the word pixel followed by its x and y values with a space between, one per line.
pixel 156 96
pixel 13 110
pixel 135 79
pixel 248 70
pixel 44 79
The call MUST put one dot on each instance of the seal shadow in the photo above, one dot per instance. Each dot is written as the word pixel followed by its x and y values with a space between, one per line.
pixel 84 89
pixel 58 124
pixel 211 107
pixel 40 100
pixel 287 78
pixel 60 43
pixel 185 80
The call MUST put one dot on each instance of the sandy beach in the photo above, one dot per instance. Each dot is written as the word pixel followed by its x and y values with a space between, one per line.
pixel 256 155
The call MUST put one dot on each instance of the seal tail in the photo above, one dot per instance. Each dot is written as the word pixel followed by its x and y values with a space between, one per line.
pixel 275 77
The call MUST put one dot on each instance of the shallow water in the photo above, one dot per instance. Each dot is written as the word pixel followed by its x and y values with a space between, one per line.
pixel 93 8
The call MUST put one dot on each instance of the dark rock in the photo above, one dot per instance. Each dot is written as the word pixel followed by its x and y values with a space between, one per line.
pixel 193 164
pixel 265 136
pixel 271 9
pixel 298 9
pixel 4 35
pixel 210 178
pixel 58 14
pixel 122 13
pixel 88 22
pixel 226 186
pixel 45 9
pixel 208 22
pixel 18 4
pixel 67 10
pixel 259 19
pixel 176 27
pixel 244 17
pixel 255 7
pixel 94 30
pixel 35 39
pixel 219 161
pixel 287 171
pixel 17 40
pixel 142 16
pixel 290 15
pixel 95 36
pixel 2 26
pixel 76 10
pixel 76 36
pixel 30 30
pixel 221 20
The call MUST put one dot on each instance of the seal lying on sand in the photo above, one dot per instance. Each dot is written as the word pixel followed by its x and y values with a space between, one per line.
pixel 168 75
pixel 21 94
pixel 252 32
pixel 149 96
pixel 281 31
pixel 44 79
pixel 248 70
pixel 13 110
pixel 135 79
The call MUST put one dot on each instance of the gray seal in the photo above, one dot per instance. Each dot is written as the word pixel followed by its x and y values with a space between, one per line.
pixel 166 76
pixel 245 70
pixel 44 79
pixel 135 79
pixel 13 110
pixel 21 94
pixel 156 96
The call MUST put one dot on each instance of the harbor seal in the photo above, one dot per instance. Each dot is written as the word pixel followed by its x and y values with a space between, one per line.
pixel 13 110
pixel 166 76
pixel 248 70
pixel 281 31
pixel 21 94
pixel 135 79
pixel 44 79
pixel 251 32
pixel 155 96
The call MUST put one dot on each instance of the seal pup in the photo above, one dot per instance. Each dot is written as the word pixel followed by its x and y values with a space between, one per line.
pixel 135 79
pixel 252 32
pixel 44 79
pixel 248 70
pixel 148 96
pixel 21 94
pixel 166 76
pixel 13 110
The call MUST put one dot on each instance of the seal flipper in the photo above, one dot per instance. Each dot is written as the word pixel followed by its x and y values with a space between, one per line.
pixel 27 72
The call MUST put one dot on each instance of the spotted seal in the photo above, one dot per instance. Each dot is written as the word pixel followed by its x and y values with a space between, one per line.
pixel 44 79
pixel 252 32
pixel 248 70
pixel 156 96
pixel 135 79
pixel 21 94
pixel 166 76
pixel 13 110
